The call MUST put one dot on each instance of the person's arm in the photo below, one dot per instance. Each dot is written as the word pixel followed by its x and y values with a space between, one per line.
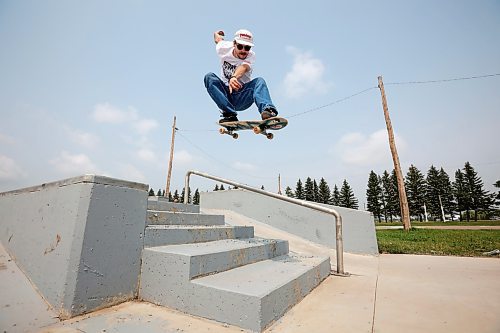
pixel 218 36
pixel 234 84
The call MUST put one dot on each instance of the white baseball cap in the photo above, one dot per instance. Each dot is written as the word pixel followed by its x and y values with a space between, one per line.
pixel 243 37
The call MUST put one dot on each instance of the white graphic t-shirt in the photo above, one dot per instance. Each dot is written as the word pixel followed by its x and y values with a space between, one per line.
pixel 229 62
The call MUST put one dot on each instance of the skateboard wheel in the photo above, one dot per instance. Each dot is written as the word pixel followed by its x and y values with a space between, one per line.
pixel 222 131
pixel 269 136
pixel 257 130
pixel 235 136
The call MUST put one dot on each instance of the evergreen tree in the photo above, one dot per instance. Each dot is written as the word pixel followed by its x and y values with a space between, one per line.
pixel 159 193
pixel 347 198
pixel 309 189
pixel 480 198
pixel 462 195
pixel 176 196
pixel 170 197
pixel 151 192
pixel 324 192
pixel 182 195
pixel 315 191
pixel 446 193
pixel 434 192
pixel 497 197
pixel 415 191
pixel 262 188
pixel 374 195
pixel 289 192
pixel 395 204
pixel 391 196
pixel 335 198
pixel 216 187
pixel 383 197
pixel 196 197
pixel 221 188
pixel 299 190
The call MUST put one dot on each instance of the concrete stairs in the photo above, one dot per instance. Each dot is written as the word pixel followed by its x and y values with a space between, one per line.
pixel 195 263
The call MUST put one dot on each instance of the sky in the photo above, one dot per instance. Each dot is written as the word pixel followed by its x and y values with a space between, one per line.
pixel 92 87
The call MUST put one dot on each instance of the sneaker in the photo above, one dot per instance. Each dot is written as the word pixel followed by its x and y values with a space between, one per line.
pixel 268 113
pixel 228 118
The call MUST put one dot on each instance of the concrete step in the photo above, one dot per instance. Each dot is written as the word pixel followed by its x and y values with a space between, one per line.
pixel 250 296
pixel 157 235
pixel 170 218
pixel 217 256
pixel 155 203
pixel 254 296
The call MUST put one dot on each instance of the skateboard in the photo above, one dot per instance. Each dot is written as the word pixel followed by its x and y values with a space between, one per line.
pixel 258 126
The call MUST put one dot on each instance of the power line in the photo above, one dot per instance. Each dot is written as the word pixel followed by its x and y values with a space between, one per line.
pixel 371 88
pixel 332 103
pixel 444 80
pixel 197 130
pixel 217 160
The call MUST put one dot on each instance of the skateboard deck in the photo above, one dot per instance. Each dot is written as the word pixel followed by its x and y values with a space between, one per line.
pixel 258 126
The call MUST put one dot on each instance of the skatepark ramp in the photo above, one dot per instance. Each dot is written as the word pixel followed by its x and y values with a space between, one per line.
pixel 90 242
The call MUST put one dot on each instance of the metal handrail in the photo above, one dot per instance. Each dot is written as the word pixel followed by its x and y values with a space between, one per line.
pixel 338 219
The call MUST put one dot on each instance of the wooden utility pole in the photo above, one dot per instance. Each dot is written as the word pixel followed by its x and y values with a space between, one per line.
pixel 169 174
pixel 403 201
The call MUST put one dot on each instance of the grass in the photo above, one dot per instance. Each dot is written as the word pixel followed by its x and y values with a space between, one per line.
pixel 468 243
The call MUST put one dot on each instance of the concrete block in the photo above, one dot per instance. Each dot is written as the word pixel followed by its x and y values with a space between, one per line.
pixel 170 218
pixel 78 240
pixel 358 227
pixel 155 203
pixel 262 292
pixel 250 296
pixel 157 235
pixel 218 256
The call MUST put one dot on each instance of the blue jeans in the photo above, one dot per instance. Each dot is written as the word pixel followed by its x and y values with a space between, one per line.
pixel 253 91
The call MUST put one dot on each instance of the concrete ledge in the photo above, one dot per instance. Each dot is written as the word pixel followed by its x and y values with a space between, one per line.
pixel 160 217
pixel 358 227
pixel 93 179
pixel 160 203
pixel 158 235
pixel 78 240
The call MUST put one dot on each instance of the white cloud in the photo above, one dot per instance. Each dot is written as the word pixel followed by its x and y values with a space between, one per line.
pixel 183 157
pixel 357 149
pixel 306 75
pixel 5 139
pixel 242 166
pixel 107 113
pixel 9 170
pixel 144 126
pixel 85 139
pixel 73 164
pixel 131 173
pixel 146 155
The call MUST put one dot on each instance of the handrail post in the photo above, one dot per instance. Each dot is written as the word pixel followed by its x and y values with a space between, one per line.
pixel 339 248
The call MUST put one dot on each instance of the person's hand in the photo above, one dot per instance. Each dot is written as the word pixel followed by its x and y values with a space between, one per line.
pixel 234 84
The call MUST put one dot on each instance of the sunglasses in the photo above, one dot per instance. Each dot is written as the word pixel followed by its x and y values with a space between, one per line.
pixel 241 47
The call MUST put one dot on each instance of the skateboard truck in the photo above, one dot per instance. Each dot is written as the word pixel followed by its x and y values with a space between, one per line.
pixel 228 132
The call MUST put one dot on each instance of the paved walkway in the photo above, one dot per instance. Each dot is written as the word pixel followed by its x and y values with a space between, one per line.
pixel 444 227
pixel 388 293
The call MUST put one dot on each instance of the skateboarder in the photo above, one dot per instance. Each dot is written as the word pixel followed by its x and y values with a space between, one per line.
pixel 235 90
